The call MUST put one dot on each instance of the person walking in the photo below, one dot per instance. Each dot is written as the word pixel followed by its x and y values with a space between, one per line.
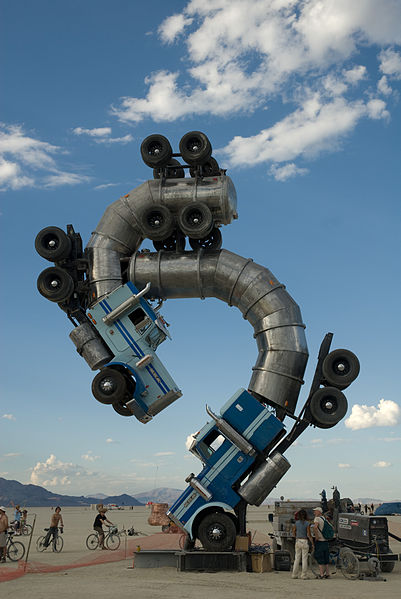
pixel 3 535
pixel 321 545
pixel 55 522
pixel 301 532
pixel 98 525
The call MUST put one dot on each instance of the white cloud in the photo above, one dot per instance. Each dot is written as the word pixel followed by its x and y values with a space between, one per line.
pixel 386 413
pixel 383 86
pixel 241 55
pixel 101 135
pixel 390 63
pixel 110 440
pixel 29 162
pixel 282 173
pixel 344 465
pixel 9 416
pixel 12 455
pixel 382 464
pixel 163 453
pixel 106 185
pixel 390 439
pixel 315 442
pixel 89 457
pixel 55 473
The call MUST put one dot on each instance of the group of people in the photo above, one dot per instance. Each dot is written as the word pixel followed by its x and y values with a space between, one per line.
pixel 310 533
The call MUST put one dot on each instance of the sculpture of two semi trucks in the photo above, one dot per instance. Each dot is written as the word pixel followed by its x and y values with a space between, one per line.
pixel 109 292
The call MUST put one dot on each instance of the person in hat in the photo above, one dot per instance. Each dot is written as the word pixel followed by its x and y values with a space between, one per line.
pixel 3 536
pixel 320 544
pixel 98 525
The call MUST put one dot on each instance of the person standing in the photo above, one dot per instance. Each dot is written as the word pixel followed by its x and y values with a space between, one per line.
pixel 3 531
pixel 17 520
pixel 321 545
pixel 301 532
pixel 98 525
pixel 55 521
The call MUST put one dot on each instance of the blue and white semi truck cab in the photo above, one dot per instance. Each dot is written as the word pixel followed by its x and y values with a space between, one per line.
pixel 132 378
pixel 237 470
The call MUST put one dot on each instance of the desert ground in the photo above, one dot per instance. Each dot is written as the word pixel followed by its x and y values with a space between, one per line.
pixel 80 573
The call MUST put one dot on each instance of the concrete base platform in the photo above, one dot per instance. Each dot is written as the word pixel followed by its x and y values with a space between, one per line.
pixel 187 561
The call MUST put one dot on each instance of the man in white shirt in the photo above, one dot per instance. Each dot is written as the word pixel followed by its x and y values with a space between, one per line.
pixel 321 545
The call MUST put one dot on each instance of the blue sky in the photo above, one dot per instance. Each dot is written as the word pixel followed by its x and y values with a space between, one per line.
pixel 301 102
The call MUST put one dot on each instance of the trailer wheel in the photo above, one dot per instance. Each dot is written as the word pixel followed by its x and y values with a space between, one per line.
pixel 387 566
pixel 349 563
pixel 328 406
pixel 156 150
pixel 217 532
pixel 196 220
pixel 157 222
pixel 173 169
pixel 340 368
pixel 195 148
pixel 213 241
pixel 55 284
pixel 121 409
pixel 109 386
pixel 53 244
pixel 176 242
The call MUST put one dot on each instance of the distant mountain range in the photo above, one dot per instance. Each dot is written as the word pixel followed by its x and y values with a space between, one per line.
pixel 14 493
pixel 161 495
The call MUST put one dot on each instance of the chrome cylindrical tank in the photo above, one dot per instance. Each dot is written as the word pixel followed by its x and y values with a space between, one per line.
pixel 90 346
pixel 262 482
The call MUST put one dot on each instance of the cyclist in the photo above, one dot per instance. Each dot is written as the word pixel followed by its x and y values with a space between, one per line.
pixel 3 536
pixel 17 520
pixel 98 525
pixel 55 522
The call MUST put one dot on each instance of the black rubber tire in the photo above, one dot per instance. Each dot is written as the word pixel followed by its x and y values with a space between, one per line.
pixel 58 544
pixel 174 243
pixel 387 566
pixel 327 407
pixel 53 244
pixel 112 541
pixel 40 546
pixel 213 241
pixel 15 551
pixel 109 386
pixel 195 148
pixel 156 150
pixel 217 532
pixel 26 530
pixel 157 222
pixel 340 368
pixel 121 409
pixel 210 168
pixel 173 170
pixel 55 284
pixel 195 220
pixel 92 541
pixel 349 563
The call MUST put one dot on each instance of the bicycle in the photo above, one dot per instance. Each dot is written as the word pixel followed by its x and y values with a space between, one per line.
pixel 111 539
pixel 57 542
pixel 15 549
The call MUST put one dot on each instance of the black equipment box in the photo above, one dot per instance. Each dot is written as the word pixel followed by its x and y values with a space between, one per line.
pixel 362 529
pixel 282 560
pixel 211 561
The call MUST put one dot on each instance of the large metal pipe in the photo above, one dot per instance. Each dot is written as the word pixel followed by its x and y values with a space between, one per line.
pixel 278 373
pixel 119 232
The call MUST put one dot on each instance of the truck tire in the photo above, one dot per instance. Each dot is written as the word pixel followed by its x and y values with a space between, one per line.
pixel 340 368
pixel 195 148
pixel 109 386
pixel 121 409
pixel 53 244
pixel 217 532
pixel 156 222
pixel 327 407
pixel 195 220
pixel 55 284
pixel 174 170
pixel 213 241
pixel 156 150
pixel 176 242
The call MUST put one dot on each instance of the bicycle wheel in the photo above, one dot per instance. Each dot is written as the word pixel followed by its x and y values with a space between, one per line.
pixel 26 530
pixel 92 541
pixel 113 542
pixel 40 544
pixel 15 551
pixel 58 544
